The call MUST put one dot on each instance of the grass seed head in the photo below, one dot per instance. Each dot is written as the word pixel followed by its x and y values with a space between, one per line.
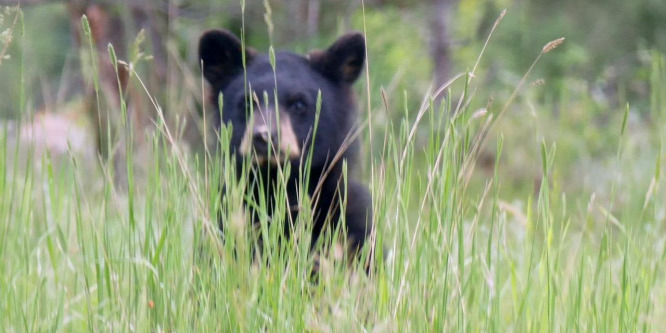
pixel 552 44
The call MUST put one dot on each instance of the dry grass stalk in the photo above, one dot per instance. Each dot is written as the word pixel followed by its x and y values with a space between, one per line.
pixel 552 45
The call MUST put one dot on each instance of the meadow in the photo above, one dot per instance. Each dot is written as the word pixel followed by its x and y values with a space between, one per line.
pixel 498 207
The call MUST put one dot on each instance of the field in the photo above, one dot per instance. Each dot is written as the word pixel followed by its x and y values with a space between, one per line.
pixel 498 207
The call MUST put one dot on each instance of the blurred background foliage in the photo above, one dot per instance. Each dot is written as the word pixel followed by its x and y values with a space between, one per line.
pixel 607 62
pixel 608 41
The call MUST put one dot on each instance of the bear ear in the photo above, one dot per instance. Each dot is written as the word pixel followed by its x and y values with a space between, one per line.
pixel 342 61
pixel 222 55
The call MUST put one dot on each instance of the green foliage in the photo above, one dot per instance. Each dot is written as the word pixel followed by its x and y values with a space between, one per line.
pixel 605 41
pixel 398 66
pixel 41 38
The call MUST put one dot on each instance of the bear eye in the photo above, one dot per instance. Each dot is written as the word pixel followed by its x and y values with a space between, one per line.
pixel 297 103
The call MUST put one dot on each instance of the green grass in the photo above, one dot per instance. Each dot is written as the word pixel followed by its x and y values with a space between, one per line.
pixel 78 253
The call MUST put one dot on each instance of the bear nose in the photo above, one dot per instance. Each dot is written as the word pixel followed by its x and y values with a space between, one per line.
pixel 261 137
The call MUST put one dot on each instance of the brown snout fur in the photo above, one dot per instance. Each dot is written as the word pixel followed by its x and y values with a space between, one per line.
pixel 279 135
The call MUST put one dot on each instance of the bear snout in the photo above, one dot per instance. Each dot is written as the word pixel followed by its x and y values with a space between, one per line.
pixel 270 141
pixel 262 136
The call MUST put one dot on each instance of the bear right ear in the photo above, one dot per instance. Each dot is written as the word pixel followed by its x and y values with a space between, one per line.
pixel 222 56
pixel 342 61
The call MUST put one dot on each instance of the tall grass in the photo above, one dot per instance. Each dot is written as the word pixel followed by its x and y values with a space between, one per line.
pixel 457 256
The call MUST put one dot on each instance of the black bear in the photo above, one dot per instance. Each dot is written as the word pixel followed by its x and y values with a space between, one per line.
pixel 272 107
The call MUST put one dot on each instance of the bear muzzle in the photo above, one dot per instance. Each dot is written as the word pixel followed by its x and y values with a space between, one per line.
pixel 270 140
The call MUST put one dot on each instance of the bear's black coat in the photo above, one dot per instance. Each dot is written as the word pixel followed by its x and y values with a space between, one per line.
pixel 298 81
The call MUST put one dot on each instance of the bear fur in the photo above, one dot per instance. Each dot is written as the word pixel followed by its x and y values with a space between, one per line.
pixel 279 129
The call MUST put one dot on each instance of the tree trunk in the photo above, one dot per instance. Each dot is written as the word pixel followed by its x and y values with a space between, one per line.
pixel 441 40
pixel 313 17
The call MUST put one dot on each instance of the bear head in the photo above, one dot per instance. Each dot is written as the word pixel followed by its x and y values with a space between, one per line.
pixel 277 107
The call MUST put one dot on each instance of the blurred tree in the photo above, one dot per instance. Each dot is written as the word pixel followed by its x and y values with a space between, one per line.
pixel 440 47
pixel 117 23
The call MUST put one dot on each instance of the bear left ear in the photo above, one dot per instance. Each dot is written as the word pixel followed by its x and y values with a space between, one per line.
pixel 222 56
pixel 342 61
